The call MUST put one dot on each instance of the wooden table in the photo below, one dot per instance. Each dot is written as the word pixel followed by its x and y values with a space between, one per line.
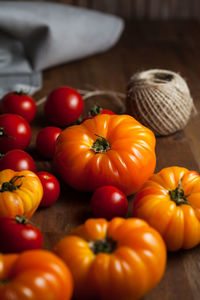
pixel 144 45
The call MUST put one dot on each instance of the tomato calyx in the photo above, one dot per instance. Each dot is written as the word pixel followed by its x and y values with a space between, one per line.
pixel 4 281
pixel 20 92
pixel 177 195
pixel 101 145
pixel 3 134
pixel 12 185
pixel 21 219
pixel 95 110
pixel 2 155
pixel 106 245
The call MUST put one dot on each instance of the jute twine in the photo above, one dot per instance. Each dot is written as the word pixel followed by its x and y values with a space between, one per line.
pixel 159 99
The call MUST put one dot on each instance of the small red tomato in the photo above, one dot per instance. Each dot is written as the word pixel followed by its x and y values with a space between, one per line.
pixel 46 141
pixel 18 235
pixel 51 188
pixel 108 202
pixel 95 111
pixel 19 103
pixel 63 106
pixel 15 132
pixel 17 160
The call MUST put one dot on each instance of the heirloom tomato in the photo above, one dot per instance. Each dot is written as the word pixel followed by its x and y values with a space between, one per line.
pixel 34 275
pixel 19 103
pixel 20 193
pixel 46 141
pixel 18 235
pixel 170 202
pixel 15 132
pixel 17 160
pixel 106 150
pixel 63 106
pixel 108 202
pixel 118 260
pixel 51 188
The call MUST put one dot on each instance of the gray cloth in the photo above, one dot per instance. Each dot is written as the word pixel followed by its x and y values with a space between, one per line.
pixel 37 35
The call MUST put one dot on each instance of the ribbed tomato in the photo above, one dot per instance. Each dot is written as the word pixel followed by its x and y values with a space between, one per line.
pixel 20 193
pixel 118 260
pixel 169 201
pixel 106 150
pixel 34 275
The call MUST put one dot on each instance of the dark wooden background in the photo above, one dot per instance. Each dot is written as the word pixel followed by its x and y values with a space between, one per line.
pixel 141 9
pixel 173 45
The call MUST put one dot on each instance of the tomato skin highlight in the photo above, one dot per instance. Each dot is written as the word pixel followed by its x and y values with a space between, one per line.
pixel 51 188
pixel 63 106
pixel 19 103
pixel 17 237
pixel 46 141
pixel 17 131
pixel 108 202
pixel 17 160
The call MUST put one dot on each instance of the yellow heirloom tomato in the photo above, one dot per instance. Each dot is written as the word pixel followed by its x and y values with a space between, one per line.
pixel 20 193
pixel 106 150
pixel 170 202
pixel 118 260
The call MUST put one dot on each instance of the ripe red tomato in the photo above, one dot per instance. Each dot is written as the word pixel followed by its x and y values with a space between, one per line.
pixel 51 188
pixel 63 106
pixel 46 141
pixel 15 132
pixel 108 202
pixel 95 111
pixel 18 235
pixel 19 103
pixel 17 160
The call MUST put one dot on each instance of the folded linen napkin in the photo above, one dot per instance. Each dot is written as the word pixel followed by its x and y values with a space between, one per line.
pixel 38 35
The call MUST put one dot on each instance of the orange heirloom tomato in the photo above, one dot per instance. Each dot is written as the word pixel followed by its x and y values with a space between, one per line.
pixel 118 260
pixel 106 150
pixel 20 193
pixel 34 275
pixel 170 202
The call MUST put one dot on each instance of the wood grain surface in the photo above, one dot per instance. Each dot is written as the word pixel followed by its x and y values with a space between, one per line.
pixel 144 45
pixel 140 9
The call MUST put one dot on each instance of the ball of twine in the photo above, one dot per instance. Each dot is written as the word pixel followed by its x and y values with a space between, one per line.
pixel 159 99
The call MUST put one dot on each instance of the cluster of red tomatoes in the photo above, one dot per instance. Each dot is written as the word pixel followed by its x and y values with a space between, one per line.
pixel 63 107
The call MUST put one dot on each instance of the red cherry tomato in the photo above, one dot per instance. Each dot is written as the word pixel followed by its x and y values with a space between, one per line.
pixel 51 188
pixel 108 202
pixel 15 132
pixel 19 103
pixel 63 106
pixel 107 111
pixel 46 141
pixel 17 160
pixel 18 235
pixel 95 111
